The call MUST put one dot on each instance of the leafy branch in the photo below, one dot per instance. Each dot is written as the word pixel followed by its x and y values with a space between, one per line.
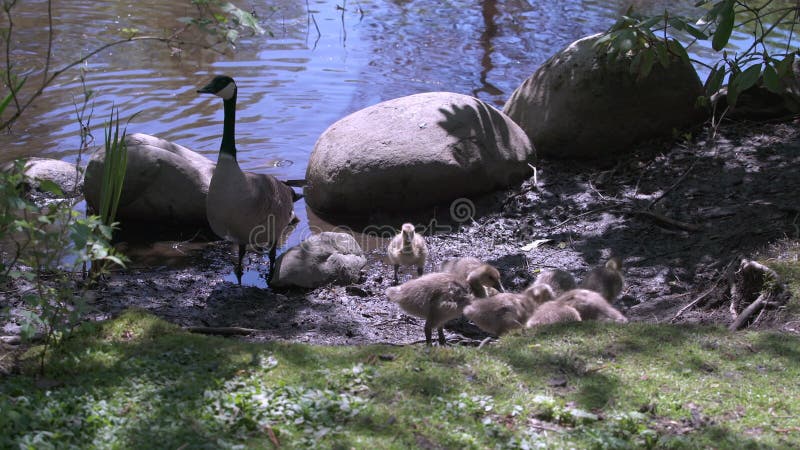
pixel 648 40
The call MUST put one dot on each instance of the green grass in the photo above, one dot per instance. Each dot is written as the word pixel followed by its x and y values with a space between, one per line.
pixel 138 382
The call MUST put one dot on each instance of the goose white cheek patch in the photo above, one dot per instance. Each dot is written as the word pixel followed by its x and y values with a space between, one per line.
pixel 227 92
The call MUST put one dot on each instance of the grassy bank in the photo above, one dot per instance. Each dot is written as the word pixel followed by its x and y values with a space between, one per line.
pixel 138 382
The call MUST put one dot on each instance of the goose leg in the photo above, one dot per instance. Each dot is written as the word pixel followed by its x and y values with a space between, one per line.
pixel 428 330
pixel 396 268
pixel 239 270
pixel 420 270
pixel 273 251
pixel 442 340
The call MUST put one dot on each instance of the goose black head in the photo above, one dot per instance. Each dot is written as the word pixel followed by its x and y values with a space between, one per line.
pixel 222 86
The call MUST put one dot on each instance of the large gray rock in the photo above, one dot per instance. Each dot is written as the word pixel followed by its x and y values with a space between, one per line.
pixel 578 104
pixel 164 181
pixel 413 152
pixel 321 259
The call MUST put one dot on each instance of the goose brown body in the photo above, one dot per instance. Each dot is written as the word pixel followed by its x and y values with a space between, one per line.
pixel 242 207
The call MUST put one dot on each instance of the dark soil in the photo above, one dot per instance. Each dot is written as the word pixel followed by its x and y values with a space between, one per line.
pixel 681 216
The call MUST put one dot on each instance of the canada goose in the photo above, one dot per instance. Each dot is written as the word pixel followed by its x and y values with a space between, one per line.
pixel 408 249
pixel 502 313
pixel 591 305
pixel 461 267
pixel 242 207
pixel 560 281
pixel 606 280
pixel 440 297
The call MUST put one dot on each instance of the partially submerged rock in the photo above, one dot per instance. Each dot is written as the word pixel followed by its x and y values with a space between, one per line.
pixel 416 151
pixel 321 259
pixel 579 104
pixel 63 174
pixel 164 182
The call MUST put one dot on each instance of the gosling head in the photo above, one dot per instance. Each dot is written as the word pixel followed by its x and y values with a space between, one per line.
pixel 614 264
pixel 484 275
pixel 539 293
pixel 222 86
pixel 407 230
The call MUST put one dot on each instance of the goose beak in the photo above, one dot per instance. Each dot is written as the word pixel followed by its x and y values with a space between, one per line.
pixel 208 89
pixel 500 287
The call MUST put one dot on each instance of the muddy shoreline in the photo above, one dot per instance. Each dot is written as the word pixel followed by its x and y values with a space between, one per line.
pixel 679 215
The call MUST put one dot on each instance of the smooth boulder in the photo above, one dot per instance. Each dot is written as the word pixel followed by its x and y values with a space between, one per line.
pixel 64 174
pixel 163 182
pixel 323 258
pixel 413 152
pixel 579 104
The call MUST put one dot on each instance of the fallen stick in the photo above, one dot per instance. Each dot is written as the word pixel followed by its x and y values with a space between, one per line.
pixel 749 311
pixel 667 220
pixel 223 331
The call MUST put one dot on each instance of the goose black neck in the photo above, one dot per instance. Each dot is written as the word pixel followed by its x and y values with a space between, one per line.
pixel 228 145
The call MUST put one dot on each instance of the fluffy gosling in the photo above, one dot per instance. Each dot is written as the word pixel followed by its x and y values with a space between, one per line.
pixel 607 280
pixel 440 297
pixel 461 267
pixel 591 306
pixel 560 281
pixel 502 313
pixel 407 249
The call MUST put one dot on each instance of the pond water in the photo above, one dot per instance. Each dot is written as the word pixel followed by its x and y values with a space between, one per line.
pixel 322 61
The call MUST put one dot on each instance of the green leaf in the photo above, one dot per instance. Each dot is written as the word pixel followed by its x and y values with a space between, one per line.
pixel 648 58
pixel 714 80
pixel 771 80
pixel 676 48
pixel 733 90
pixel 784 67
pixel 244 18
pixel 696 32
pixel 748 78
pixel 50 186
pixel 663 54
pixel 724 26
pixel 624 41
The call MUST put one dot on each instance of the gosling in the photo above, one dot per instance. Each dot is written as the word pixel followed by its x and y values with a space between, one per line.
pixel 591 306
pixel 461 267
pixel 502 313
pixel 560 281
pixel 440 297
pixel 606 280
pixel 408 249
pixel 552 312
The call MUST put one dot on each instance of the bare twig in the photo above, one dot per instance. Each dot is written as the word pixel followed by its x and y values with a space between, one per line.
pixel 671 188
pixel 666 220
pixel 223 331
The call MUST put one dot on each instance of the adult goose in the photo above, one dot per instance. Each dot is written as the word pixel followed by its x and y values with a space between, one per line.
pixel 242 207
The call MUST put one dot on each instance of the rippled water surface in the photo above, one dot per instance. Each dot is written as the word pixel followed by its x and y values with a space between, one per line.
pixel 319 63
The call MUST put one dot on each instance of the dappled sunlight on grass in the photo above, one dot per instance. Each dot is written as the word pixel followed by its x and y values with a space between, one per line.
pixel 136 381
